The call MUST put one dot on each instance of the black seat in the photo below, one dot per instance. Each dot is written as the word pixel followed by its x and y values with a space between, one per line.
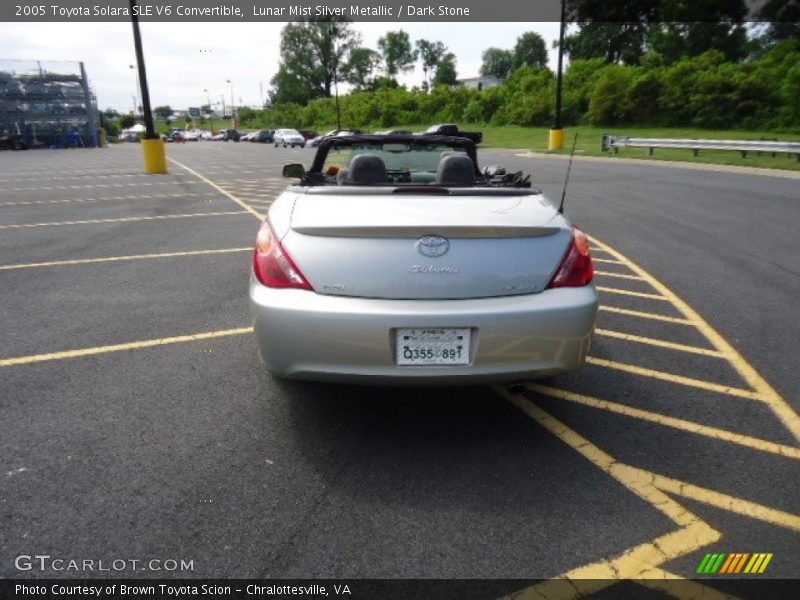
pixel 455 169
pixel 367 169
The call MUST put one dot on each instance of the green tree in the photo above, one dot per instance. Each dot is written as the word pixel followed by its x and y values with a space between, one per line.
pixel 127 121
pixel 676 40
pixel 496 63
pixel 783 20
pixel 311 55
pixel 530 50
pixel 360 68
pixel 110 113
pixel 613 42
pixel 430 53
pixel 446 73
pixel 162 112
pixel 398 55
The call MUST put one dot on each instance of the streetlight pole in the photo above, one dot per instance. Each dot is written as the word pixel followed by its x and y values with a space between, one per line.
pixel 557 132
pixel 233 106
pixel 335 64
pixel 155 160
pixel 136 101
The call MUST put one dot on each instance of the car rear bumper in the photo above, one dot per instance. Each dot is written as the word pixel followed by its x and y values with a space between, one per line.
pixel 304 335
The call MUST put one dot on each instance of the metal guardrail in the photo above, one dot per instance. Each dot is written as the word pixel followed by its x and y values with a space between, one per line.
pixel 615 142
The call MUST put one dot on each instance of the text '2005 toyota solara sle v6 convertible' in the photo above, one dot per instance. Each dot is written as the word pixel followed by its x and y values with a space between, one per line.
pixel 395 260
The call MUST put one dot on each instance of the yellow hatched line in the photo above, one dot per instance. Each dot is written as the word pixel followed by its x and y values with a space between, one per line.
pixel 644 315
pixel 81 352
pixel 608 261
pixel 667 421
pixel 222 191
pixel 657 579
pixel 628 337
pixel 765 392
pixel 618 275
pixel 120 220
pixel 636 562
pixel 732 504
pixel 610 290
pixel 672 378
pixel 87 261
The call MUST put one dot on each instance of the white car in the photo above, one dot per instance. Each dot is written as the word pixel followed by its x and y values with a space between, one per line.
pixel 289 137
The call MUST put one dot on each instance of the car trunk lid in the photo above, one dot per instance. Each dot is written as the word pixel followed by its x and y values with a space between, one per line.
pixel 415 246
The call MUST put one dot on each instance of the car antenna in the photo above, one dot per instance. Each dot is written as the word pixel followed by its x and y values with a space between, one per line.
pixel 566 179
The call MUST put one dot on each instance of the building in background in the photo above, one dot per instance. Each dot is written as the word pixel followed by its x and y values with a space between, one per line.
pixel 481 82
pixel 47 104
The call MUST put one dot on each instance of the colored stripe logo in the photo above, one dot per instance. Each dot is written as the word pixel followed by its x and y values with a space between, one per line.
pixel 734 563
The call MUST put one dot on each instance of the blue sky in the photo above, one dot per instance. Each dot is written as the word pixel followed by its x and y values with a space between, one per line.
pixel 184 59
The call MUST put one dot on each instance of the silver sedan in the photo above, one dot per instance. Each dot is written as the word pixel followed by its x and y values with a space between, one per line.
pixel 395 260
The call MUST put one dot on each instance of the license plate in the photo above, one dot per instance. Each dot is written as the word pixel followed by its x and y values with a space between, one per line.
pixel 433 346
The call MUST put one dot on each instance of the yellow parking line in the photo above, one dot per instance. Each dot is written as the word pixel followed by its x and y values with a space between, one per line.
pixel 609 261
pixel 629 293
pixel 222 191
pixel 67 354
pixel 766 393
pixel 635 562
pixel 672 378
pixel 667 421
pixel 100 199
pixel 640 562
pixel 645 490
pixel 87 261
pixel 120 220
pixel 657 578
pixel 618 275
pixel 628 337
pixel 726 502
pixel 644 315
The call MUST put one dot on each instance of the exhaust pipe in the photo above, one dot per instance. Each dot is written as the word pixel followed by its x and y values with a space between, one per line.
pixel 517 388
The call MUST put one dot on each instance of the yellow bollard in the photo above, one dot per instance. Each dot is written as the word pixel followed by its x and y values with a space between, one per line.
pixel 155 158
pixel 556 139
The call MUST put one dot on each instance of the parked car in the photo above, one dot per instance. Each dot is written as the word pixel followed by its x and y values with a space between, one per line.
pixel 374 280
pixel 452 129
pixel 230 135
pixel 314 142
pixel 265 136
pixel 395 132
pixel 288 137
pixel 308 134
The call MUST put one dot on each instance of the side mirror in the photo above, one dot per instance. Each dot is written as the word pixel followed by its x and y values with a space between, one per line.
pixel 294 170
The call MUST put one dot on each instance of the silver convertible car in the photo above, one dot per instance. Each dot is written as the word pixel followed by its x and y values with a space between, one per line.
pixel 395 260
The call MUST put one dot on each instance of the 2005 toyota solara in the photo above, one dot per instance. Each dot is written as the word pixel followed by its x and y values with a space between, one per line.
pixel 396 260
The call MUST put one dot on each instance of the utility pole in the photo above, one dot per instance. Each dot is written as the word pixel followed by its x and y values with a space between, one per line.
pixel 335 65
pixel 557 132
pixel 155 160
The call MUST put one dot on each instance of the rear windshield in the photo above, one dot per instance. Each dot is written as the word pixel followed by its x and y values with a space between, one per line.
pixel 398 157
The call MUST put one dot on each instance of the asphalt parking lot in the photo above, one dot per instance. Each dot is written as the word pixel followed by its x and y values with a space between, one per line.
pixel 137 421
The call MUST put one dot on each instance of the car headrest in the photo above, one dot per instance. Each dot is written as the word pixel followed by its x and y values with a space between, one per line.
pixel 456 169
pixel 365 169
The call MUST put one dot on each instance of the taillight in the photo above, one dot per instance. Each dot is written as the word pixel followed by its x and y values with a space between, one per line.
pixel 272 264
pixel 576 269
